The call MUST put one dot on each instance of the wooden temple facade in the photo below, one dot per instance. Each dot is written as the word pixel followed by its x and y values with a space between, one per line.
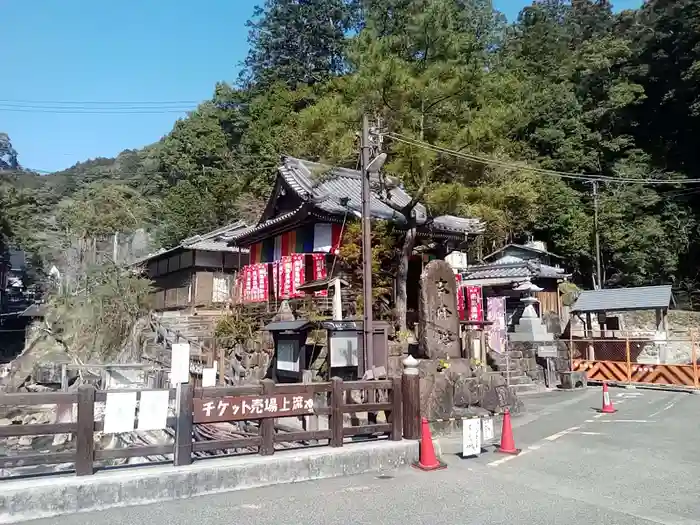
pixel 302 227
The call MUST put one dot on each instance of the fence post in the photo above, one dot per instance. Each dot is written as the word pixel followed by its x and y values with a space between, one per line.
pixel 267 426
pixel 85 435
pixel 694 357
pixel 396 409
pixel 336 412
pixel 183 427
pixel 629 360
pixel 410 394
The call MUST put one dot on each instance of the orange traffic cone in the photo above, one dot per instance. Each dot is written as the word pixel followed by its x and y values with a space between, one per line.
pixel 608 407
pixel 428 460
pixel 507 443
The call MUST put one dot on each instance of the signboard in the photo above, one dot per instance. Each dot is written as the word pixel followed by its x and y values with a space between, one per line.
pixel 120 412
pixel 461 310
pixel 475 311
pixel 487 433
pixel 220 409
pixel 298 273
pixel 153 409
pixel 471 437
pixel 320 271
pixel 547 351
pixel 286 279
pixel 179 363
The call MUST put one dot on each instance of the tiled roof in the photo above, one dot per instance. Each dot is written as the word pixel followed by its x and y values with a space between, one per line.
pixel 618 299
pixel 213 241
pixel 526 247
pixel 514 267
pixel 337 191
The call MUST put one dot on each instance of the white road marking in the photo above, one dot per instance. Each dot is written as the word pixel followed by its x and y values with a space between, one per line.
pixel 356 489
pixel 595 417
pixel 508 458
pixel 588 433
pixel 667 407
pixel 556 436
pixel 629 394
pixel 250 506
pixel 621 421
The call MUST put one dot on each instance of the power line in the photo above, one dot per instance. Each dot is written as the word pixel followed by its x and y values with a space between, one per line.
pixel 94 111
pixel 100 103
pixel 226 171
pixel 561 174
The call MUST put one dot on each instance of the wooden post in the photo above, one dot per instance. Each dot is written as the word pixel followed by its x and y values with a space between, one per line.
pixel 267 426
pixel 183 427
pixel 336 422
pixel 410 394
pixel 694 357
pixel 396 410
pixel 85 437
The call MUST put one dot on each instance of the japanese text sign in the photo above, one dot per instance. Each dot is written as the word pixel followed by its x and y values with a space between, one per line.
pixel 213 410
pixel 474 304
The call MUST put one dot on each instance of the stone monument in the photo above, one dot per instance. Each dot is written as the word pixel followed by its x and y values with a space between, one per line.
pixel 438 324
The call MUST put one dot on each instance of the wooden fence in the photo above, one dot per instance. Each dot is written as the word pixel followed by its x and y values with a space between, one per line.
pixel 402 421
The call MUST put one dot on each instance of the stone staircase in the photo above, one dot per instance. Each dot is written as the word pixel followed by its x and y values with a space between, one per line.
pixel 519 368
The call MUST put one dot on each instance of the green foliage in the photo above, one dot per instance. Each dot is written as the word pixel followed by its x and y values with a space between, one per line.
pixel 297 42
pixel 94 319
pixel 569 86
pixel 100 210
pixel 385 250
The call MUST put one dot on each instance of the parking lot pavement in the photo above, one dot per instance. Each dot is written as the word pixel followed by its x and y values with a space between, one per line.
pixel 636 466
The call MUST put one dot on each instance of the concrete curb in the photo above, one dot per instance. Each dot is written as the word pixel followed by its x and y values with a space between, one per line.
pixel 53 496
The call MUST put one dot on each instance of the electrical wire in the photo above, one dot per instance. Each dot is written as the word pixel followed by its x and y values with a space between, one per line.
pixel 94 111
pixel 100 103
pixel 561 174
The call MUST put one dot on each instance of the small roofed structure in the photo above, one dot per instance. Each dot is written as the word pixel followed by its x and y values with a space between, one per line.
pixel 198 272
pixel 604 304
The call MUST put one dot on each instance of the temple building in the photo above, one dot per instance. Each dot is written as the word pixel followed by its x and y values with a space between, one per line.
pixel 301 229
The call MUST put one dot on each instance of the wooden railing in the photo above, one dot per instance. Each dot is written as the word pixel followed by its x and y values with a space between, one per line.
pixel 401 409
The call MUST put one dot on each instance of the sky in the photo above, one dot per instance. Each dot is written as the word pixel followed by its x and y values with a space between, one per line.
pixel 96 54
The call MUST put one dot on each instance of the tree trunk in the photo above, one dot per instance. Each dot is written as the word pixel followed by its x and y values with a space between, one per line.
pixel 409 243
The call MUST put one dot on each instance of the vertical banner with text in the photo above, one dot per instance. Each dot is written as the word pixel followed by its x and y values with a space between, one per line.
pixel 475 311
pixel 320 271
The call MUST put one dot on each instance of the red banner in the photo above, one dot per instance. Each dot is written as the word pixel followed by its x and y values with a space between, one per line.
pixel 247 283
pixel 286 279
pixel 298 273
pixel 320 271
pixel 460 297
pixel 474 303
pixel 275 279
pixel 254 283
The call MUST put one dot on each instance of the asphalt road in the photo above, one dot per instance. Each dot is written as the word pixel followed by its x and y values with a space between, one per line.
pixel 637 466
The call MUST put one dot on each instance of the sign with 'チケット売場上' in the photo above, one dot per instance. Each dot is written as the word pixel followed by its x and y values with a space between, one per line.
pixel 230 408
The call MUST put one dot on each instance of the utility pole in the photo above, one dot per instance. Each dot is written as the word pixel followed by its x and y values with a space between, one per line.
pixel 599 272
pixel 367 328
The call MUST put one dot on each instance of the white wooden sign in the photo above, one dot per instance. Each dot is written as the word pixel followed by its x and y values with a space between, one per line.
pixel 471 437
pixel 487 433
pixel 153 409
pixel 209 376
pixel 120 412
pixel 180 363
